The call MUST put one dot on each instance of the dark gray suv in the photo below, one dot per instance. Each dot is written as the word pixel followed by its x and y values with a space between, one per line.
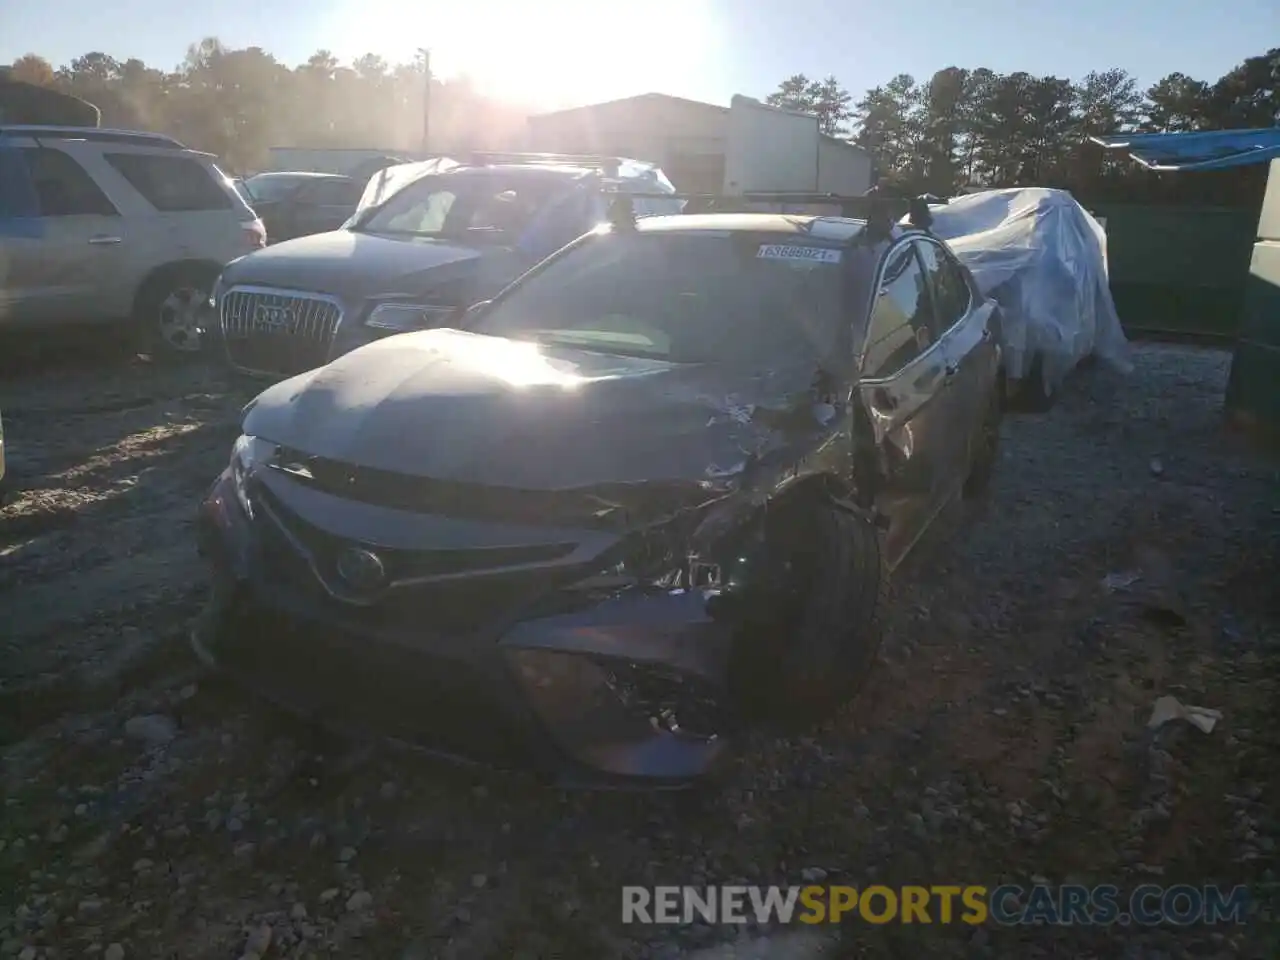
pixel 416 258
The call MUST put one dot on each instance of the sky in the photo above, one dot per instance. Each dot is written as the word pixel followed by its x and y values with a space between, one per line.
pixel 557 53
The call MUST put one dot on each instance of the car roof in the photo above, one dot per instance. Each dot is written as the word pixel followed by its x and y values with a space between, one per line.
pixel 536 171
pixel 810 227
pixel 140 138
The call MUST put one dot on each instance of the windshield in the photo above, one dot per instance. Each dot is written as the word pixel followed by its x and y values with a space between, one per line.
pixel 684 297
pixel 457 206
pixel 264 187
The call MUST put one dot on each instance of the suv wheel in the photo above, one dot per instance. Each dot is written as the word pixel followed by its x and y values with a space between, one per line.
pixel 171 311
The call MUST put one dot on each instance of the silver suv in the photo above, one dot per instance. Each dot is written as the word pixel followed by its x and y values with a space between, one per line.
pixel 100 226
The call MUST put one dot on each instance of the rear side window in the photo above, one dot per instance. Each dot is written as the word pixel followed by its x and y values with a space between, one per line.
pixel 901 318
pixel 338 193
pixel 17 199
pixel 951 293
pixel 62 187
pixel 170 184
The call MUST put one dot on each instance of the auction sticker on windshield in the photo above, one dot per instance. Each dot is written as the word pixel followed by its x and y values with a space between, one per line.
pixel 806 254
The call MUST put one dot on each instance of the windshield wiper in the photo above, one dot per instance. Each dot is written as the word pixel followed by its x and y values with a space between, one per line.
pixel 388 232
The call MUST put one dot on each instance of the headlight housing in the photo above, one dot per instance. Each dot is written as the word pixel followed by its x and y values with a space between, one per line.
pixel 248 456
pixel 404 317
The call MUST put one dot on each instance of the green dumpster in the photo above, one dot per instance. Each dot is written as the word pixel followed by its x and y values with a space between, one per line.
pixel 1253 390
pixel 1177 270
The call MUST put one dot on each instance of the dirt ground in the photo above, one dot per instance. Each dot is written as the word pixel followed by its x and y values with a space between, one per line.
pixel 151 811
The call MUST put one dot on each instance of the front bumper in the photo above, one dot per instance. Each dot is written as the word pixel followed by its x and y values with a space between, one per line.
pixel 520 693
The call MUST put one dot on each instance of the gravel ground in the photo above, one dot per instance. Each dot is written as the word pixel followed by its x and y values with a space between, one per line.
pixel 152 812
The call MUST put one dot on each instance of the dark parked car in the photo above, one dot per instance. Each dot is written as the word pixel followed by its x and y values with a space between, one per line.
pixel 648 495
pixel 416 257
pixel 298 204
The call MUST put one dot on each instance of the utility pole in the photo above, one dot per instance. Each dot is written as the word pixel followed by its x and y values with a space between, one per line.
pixel 426 99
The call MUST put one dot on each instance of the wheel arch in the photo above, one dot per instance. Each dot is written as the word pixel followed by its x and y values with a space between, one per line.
pixel 158 276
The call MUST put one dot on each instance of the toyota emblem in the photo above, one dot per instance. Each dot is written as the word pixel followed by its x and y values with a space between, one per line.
pixel 361 569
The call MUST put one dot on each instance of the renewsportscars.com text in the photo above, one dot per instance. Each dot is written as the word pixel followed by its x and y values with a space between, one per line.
pixel 1008 905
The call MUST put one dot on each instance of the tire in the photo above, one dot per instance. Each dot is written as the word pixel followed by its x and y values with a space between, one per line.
pixel 986 449
pixel 799 664
pixel 170 311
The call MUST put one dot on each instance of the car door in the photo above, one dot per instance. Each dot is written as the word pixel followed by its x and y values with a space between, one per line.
pixel 903 387
pixel 21 231
pixel 322 206
pixel 179 208
pixel 58 260
pixel 966 339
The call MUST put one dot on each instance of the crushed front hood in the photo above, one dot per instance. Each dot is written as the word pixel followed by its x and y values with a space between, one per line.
pixel 461 407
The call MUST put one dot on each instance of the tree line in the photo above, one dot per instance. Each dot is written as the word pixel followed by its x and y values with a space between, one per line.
pixel 960 127
pixel 976 126
pixel 238 103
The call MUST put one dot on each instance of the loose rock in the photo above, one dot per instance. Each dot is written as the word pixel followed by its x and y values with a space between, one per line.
pixel 153 729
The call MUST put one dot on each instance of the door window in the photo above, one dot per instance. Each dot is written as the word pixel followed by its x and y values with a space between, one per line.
pixel 63 188
pixel 331 193
pixel 560 223
pixel 170 184
pixel 951 294
pixel 17 198
pixel 901 325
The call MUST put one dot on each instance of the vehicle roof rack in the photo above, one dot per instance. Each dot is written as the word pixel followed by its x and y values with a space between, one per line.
pixel 92 134
pixel 608 165
pixel 881 212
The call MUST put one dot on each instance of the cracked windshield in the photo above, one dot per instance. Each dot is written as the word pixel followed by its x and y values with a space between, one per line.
pixel 669 482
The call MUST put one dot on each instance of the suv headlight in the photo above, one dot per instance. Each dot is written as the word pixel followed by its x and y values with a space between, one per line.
pixel 403 317
pixel 248 456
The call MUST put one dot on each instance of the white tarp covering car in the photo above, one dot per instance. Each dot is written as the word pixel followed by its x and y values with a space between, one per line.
pixel 1043 258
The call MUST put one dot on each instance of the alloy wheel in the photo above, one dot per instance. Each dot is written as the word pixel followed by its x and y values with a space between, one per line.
pixel 178 320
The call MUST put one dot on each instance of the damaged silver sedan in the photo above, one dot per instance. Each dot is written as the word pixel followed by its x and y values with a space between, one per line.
pixel 648 496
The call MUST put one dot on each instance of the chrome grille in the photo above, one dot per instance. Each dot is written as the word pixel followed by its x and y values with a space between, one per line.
pixel 278 332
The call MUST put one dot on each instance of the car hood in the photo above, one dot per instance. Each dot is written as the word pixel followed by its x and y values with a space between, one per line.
pixel 462 407
pixel 353 265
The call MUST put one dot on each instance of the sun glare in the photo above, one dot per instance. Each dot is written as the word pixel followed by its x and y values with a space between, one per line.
pixel 548 54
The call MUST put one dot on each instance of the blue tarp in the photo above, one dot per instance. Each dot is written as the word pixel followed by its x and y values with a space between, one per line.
pixel 1191 152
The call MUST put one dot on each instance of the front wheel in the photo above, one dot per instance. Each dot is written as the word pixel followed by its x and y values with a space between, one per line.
pixel 813 643
pixel 172 311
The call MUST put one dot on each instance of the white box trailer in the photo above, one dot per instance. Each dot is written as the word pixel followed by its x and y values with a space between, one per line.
pixel 772 150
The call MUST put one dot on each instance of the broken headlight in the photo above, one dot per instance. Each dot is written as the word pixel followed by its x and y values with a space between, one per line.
pixel 653 557
pixel 248 456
